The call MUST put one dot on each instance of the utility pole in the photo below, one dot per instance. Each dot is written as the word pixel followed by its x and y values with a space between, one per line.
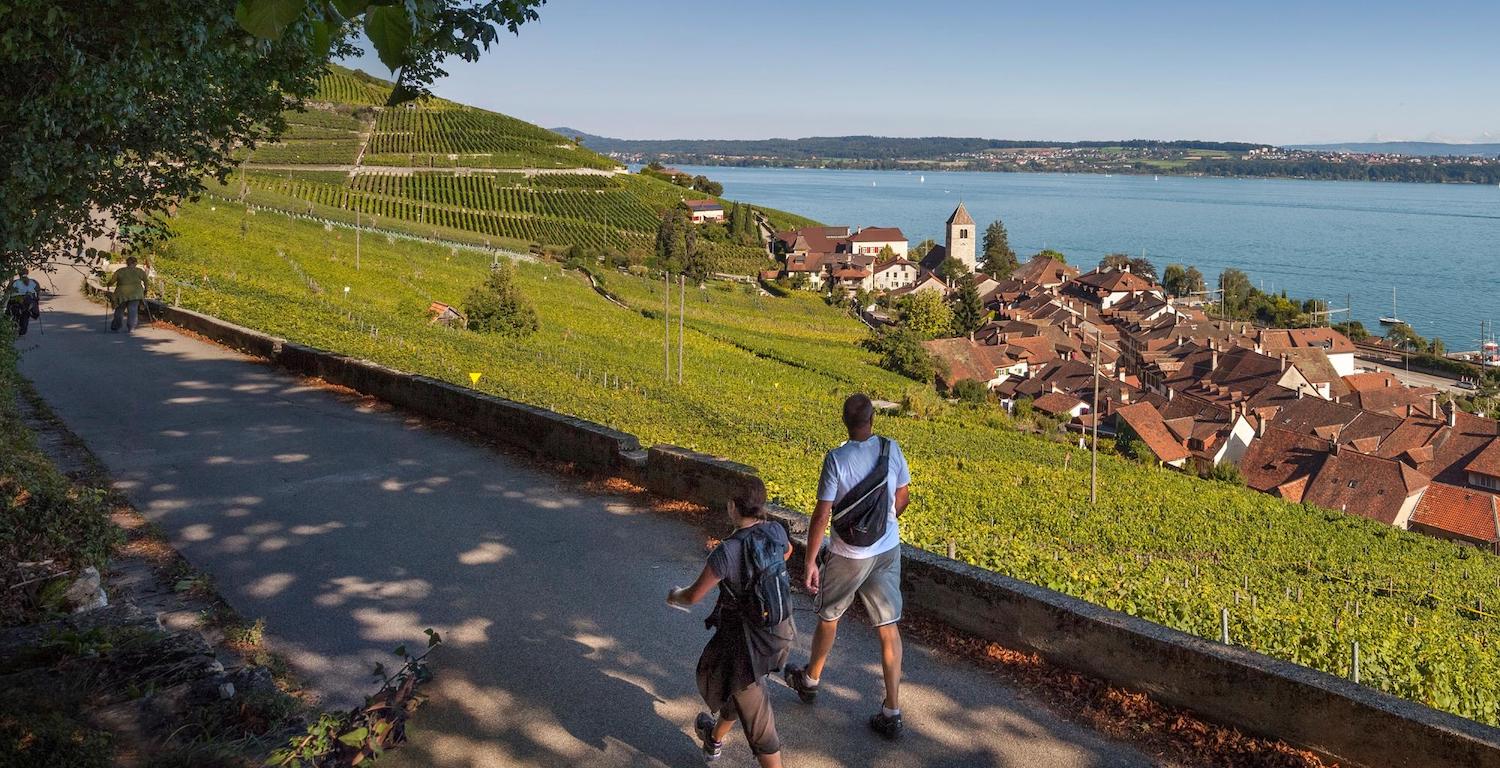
pixel 666 339
pixel 1094 454
pixel 681 313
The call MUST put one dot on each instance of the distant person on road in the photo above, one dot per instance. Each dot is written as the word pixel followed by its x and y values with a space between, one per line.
pixel 753 629
pixel 129 283
pixel 862 493
pixel 23 301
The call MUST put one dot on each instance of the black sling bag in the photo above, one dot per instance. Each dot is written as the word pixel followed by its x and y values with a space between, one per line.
pixel 860 517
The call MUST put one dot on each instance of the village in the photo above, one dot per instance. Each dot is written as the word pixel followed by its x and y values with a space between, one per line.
pixel 1286 411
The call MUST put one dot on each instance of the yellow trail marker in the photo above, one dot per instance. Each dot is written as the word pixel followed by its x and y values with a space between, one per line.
pixel 474 378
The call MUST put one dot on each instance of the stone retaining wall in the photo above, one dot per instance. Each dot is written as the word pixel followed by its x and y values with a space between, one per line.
pixel 1223 683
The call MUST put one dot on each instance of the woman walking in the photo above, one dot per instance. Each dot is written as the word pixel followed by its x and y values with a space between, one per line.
pixel 753 629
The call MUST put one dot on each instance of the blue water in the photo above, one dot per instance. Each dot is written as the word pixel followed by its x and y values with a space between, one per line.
pixel 1437 245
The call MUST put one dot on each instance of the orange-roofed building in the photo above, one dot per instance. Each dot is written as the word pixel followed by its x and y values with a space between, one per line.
pixel 1461 514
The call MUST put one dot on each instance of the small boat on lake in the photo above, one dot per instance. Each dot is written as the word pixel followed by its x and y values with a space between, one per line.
pixel 1392 318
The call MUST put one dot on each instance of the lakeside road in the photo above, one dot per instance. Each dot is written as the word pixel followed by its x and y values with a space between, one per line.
pixel 1413 378
pixel 351 528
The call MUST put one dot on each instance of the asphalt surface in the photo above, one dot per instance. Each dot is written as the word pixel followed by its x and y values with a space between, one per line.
pixel 350 529
pixel 1414 378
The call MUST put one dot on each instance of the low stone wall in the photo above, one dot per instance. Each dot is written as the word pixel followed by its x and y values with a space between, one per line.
pixel 228 334
pixel 1227 684
pixel 679 473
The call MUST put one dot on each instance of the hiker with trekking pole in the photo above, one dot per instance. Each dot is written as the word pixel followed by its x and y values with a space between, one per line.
pixel 129 295
pixel 23 301
pixel 753 629
pixel 861 494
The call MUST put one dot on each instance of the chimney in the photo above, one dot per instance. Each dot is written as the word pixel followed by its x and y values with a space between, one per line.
pixel 1171 393
pixel 1410 410
pixel 1213 359
pixel 1333 446
pixel 1387 382
pixel 1452 411
pixel 1260 427
pixel 1124 396
pixel 1283 362
pixel 1433 408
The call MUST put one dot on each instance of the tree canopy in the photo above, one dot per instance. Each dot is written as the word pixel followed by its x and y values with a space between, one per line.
pixel 999 259
pixel 926 314
pixel 968 310
pixel 497 305
pixel 114 111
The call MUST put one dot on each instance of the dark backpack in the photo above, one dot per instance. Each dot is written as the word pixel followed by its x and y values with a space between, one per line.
pixel 765 599
pixel 860 517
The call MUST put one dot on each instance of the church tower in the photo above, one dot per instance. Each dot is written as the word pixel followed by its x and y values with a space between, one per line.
pixel 961 237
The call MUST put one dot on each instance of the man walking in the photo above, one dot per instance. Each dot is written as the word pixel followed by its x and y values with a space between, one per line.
pixel 862 493
pixel 129 283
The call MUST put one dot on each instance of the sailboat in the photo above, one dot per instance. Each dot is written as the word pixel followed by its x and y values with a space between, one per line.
pixel 921 179
pixel 1392 319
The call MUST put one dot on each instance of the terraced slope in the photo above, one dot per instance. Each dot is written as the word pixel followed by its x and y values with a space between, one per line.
pixel 450 171
pixel 763 381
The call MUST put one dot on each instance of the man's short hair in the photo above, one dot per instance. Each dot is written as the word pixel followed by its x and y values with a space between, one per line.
pixel 858 411
pixel 129 261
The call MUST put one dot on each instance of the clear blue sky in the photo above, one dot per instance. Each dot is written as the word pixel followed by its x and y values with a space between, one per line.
pixel 1282 72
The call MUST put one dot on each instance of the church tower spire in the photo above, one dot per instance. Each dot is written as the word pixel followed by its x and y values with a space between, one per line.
pixel 960 244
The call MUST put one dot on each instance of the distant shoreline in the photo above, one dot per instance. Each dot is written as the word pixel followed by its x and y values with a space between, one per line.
pixel 930 167
pixel 939 168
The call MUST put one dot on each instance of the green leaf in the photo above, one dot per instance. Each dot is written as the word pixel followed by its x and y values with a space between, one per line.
pixel 267 18
pixel 322 41
pixel 390 33
pixel 355 737
pixel 351 8
pixel 400 650
pixel 433 638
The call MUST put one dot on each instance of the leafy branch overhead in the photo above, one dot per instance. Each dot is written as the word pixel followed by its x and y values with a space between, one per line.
pixel 411 37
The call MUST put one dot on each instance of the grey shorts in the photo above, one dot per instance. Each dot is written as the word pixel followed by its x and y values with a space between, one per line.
pixel 877 581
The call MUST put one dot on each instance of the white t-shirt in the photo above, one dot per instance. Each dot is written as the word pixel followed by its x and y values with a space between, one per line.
pixel 850 463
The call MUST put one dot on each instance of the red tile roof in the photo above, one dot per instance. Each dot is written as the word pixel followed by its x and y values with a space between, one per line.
pixel 1487 462
pixel 1364 485
pixel 1273 340
pixel 1147 424
pixel 703 205
pixel 1056 403
pixel 1278 457
pixel 878 235
pixel 1465 513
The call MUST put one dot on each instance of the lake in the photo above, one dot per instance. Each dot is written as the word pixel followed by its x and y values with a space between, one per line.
pixel 1437 245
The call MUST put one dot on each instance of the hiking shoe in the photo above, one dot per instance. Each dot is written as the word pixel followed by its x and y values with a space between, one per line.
pixel 888 726
pixel 704 727
pixel 796 679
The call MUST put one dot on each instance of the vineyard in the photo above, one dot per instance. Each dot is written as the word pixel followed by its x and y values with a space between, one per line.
pixel 470 191
pixel 445 129
pixel 763 381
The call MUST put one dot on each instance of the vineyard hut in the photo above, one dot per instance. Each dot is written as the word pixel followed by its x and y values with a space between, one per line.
pixel 704 210
pixel 439 313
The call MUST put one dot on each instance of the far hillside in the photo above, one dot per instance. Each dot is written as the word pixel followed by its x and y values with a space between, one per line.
pixel 449 171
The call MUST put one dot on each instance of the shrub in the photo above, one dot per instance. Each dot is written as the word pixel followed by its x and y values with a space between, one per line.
pixel 1226 472
pixel 901 352
pixel 971 391
pixel 497 306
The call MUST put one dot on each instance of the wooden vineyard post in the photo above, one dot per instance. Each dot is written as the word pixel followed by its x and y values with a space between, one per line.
pixel 1224 626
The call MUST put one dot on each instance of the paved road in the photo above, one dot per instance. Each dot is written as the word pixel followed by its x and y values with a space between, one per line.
pixel 1413 378
pixel 350 530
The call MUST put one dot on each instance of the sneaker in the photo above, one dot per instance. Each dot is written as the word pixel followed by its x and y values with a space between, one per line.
pixel 704 727
pixel 796 679
pixel 888 726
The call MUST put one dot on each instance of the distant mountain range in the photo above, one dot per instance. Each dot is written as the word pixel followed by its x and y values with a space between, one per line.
pixel 1419 148
pixel 871 148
